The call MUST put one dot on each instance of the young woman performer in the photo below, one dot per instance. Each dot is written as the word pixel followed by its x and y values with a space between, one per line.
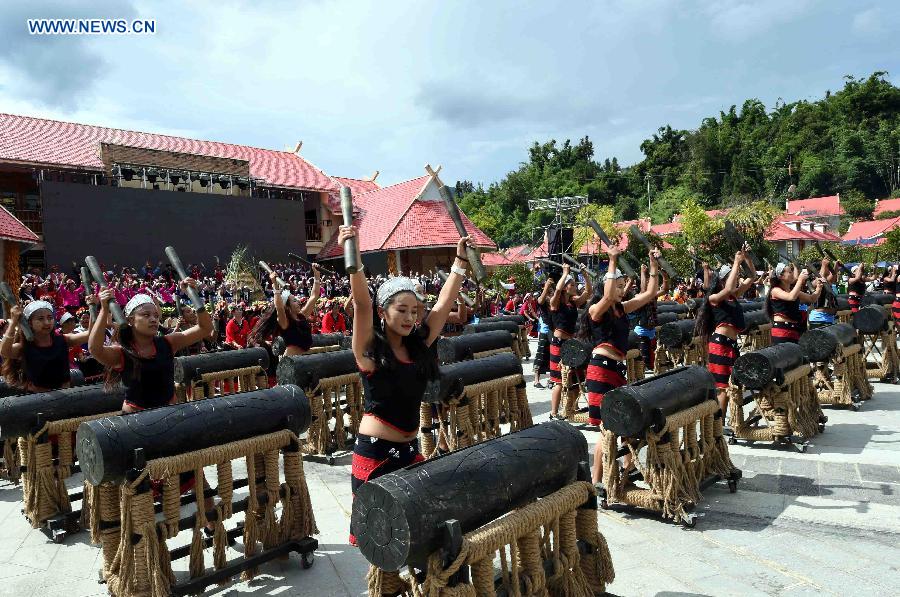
pixel 289 317
pixel 564 306
pixel 144 362
pixel 721 319
pixel 545 329
pixel 646 315
pixel 895 306
pixel 395 362
pixel 783 303
pixel 822 312
pixel 605 325
pixel 42 364
pixel 138 358
pixel 856 287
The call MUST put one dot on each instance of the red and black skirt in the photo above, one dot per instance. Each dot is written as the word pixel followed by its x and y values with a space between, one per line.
pixel 785 331
pixel 555 353
pixel 542 356
pixel 855 302
pixel 603 374
pixel 723 352
pixel 374 457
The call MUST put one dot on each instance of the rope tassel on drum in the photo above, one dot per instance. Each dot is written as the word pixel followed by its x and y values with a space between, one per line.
pixel 780 382
pixel 127 480
pixel 674 420
pixel 542 529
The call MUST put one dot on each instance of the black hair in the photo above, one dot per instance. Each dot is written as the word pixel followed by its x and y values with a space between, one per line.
pixel 704 322
pixel 123 335
pixel 774 282
pixel 267 326
pixel 424 356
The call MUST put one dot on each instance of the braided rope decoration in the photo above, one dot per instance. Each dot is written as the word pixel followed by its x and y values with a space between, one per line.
pixel 545 531
pixel 143 566
pixel 336 401
pixel 689 447
pixel 783 410
pixel 43 483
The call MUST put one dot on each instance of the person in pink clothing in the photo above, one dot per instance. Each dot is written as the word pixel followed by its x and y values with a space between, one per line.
pixel 70 296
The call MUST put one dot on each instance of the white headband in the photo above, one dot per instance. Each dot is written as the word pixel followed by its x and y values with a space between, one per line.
pixel 779 269
pixel 33 306
pixel 285 295
pixel 136 301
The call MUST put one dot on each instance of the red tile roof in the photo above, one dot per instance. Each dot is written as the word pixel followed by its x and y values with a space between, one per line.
pixel 52 142
pixel 392 218
pixel 666 229
pixel 779 230
pixel 357 185
pixel 871 228
pixel 816 206
pixel 12 229
pixel 526 253
pixel 427 224
pixel 495 259
pixel 593 246
pixel 887 205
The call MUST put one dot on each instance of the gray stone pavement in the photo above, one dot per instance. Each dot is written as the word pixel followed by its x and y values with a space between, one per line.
pixel 826 522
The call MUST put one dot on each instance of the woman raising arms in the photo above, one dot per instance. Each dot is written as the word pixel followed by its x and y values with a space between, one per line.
pixel 605 325
pixel 396 361
pixel 42 364
pixel 564 306
pixel 720 320
pixel 143 361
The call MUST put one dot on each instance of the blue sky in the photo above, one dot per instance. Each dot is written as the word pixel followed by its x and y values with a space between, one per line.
pixel 470 85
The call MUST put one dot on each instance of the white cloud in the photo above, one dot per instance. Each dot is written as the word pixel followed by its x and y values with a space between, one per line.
pixel 467 84
pixel 869 23
pixel 741 20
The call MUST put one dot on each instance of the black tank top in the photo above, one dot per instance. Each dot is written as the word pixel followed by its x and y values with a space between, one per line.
pixel 647 315
pixel 47 366
pixel 150 384
pixel 611 330
pixel 826 299
pixel 298 333
pixel 564 318
pixel 788 309
pixel 395 395
pixel 857 288
pixel 728 313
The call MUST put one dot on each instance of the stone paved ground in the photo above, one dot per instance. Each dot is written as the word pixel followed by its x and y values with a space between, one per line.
pixel 822 523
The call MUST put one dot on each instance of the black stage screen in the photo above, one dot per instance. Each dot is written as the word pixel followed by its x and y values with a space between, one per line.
pixel 129 226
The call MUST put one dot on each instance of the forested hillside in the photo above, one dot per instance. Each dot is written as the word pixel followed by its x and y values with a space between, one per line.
pixel 848 142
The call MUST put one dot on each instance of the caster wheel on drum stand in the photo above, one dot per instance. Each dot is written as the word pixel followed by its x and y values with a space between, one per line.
pixel 307 560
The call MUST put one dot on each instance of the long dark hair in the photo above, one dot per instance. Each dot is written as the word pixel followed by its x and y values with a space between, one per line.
pixel 123 335
pixel 267 326
pixel 424 356
pixel 774 282
pixel 583 329
pixel 704 325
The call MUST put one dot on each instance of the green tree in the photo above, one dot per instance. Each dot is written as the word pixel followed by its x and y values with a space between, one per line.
pixel 583 233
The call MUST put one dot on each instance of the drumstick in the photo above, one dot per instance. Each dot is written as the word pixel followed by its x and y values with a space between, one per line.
pixel 182 273
pixel 86 282
pixel 114 307
pixel 10 299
